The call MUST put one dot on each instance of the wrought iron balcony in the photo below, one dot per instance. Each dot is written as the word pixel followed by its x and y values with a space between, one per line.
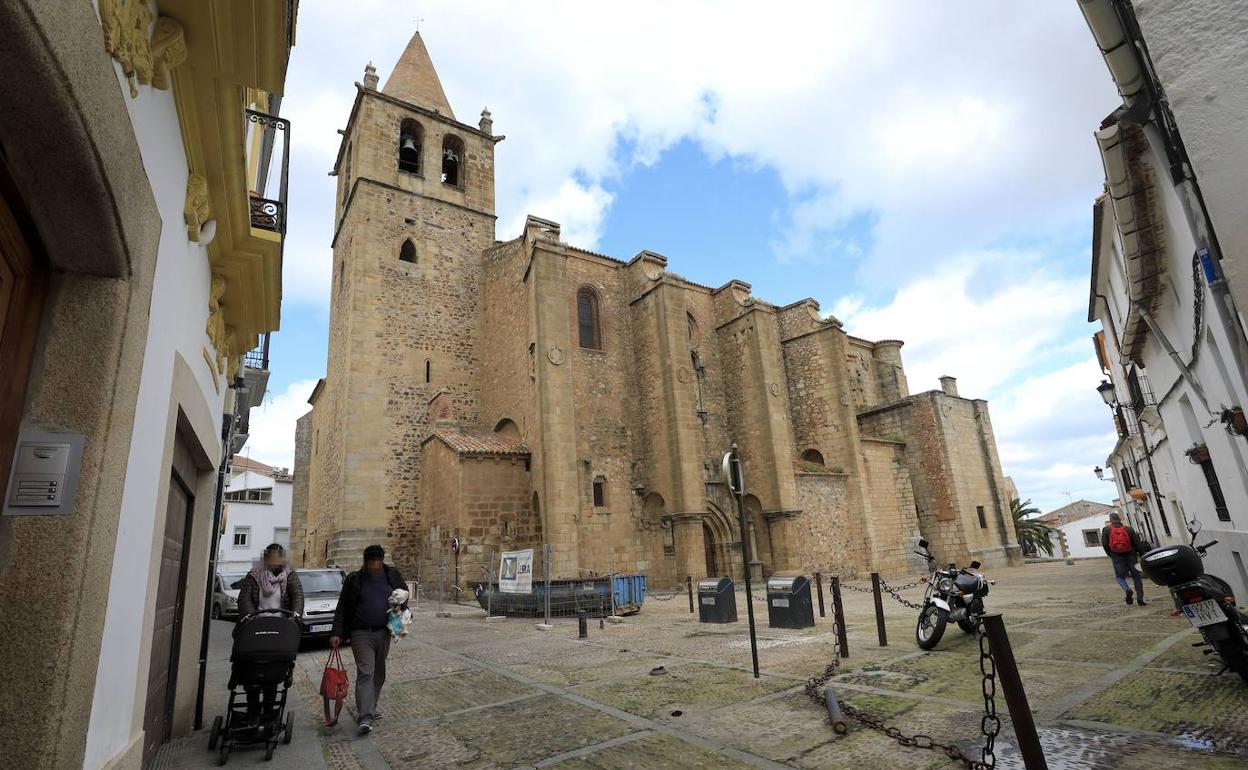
pixel 258 358
pixel 267 134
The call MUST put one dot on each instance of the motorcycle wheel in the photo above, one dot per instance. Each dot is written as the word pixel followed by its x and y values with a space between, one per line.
pixel 1236 655
pixel 931 626
pixel 967 626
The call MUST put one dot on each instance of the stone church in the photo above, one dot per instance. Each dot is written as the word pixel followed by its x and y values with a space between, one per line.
pixel 526 391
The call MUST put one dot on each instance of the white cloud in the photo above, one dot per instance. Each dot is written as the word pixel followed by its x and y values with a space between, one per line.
pixel 272 425
pixel 950 130
pixel 951 127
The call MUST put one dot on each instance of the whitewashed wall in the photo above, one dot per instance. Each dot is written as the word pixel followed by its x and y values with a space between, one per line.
pixel 262 519
pixel 179 312
pixel 1184 419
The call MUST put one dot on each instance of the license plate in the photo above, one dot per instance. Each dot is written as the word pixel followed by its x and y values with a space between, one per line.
pixel 318 628
pixel 708 599
pixel 1206 613
pixel 779 602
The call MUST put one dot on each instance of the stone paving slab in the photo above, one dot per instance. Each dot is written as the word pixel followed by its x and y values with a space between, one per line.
pixel 1196 706
pixel 653 752
pixel 1116 685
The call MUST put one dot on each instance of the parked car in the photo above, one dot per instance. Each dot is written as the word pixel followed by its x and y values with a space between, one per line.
pixel 225 595
pixel 320 598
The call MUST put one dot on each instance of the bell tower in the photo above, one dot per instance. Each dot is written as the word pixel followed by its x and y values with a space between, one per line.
pixel 414 210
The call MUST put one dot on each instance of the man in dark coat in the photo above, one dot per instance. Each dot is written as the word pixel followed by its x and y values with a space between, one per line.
pixel 361 617
pixel 1122 544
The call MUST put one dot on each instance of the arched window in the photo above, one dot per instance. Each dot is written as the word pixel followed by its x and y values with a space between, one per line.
pixel 813 456
pixel 407 252
pixel 693 328
pixel 600 491
pixel 587 319
pixel 411 139
pixel 507 428
pixel 428 371
pixel 452 160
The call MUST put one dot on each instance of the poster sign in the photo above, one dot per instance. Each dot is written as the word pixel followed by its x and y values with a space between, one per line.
pixel 515 572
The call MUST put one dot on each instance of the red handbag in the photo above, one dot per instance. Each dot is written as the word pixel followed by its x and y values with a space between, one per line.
pixel 334 686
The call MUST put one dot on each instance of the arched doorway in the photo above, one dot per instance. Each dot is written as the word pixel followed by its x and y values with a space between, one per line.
pixel 708 540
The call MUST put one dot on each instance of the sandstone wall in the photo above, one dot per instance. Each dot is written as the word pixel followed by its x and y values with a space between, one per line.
pixel 298 553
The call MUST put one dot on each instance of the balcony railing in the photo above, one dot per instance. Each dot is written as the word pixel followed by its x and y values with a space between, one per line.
pixel 267 134
pixel 258 358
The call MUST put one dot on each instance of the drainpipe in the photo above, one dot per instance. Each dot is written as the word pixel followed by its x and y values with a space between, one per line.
pixel 1174 356
pixel 227 437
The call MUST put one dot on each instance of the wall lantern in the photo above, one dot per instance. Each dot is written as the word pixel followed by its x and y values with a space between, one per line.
pixel 1100 472
pixel 1107 392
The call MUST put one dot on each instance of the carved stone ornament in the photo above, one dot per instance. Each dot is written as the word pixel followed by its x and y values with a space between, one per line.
pixel 144 59
pixel 196 211
pixel 216 324
pixel 683 374
pixel 774 389
pixel 555 354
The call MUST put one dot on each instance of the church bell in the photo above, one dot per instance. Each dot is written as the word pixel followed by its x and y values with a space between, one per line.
pixel 408 148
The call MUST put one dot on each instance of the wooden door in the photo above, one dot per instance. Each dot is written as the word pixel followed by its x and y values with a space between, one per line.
pixel 162 678
pixel 22 283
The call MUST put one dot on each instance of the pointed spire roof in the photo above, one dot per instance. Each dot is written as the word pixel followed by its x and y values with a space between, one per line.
pixel 415 80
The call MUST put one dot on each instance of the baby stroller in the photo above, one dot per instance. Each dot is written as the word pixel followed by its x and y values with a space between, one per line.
pixel 263 657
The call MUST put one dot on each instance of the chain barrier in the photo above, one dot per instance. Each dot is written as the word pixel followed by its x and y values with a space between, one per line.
pixel 990 724
pixel 679 592
pixel 893 592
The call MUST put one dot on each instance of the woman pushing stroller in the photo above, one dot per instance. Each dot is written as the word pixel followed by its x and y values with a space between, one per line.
pixel 271 585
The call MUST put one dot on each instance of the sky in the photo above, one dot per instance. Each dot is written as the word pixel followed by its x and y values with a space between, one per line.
pixel 925 171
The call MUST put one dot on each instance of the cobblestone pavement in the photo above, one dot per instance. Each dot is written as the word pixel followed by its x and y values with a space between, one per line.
pixel 1112 686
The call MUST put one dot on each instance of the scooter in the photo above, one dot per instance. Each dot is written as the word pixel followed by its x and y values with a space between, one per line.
pixel 1205 600
pixel 952 594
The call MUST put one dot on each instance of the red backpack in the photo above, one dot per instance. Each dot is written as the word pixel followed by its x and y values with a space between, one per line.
pixel 1120 539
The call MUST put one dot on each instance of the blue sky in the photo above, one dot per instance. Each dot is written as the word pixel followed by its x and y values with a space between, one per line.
pixel 924 171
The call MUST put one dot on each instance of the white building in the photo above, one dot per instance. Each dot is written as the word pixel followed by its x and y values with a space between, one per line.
pixel 1080 522
pixel 140 260
pixel 257 513
pixel 1173 345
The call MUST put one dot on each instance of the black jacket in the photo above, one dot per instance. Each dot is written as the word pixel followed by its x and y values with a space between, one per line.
pixel 249 594
pixel 344 616
pixel 1138 545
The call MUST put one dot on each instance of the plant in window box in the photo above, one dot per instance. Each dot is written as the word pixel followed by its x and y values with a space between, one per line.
pixel 1235 421
pixel 1199 453
pixel 1137 494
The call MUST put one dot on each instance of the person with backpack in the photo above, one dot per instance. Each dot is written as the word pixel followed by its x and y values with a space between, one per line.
pixel 1121 544
pixel 361 617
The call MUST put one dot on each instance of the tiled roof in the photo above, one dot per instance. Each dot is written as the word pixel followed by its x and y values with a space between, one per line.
pixel 1080 509
pixel 478 441
pixel 242 462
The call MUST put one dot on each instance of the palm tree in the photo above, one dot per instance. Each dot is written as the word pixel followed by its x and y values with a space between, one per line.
pixel 1033 534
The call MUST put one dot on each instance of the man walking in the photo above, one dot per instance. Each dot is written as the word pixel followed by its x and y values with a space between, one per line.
pixel 1121 544
pixel 361 617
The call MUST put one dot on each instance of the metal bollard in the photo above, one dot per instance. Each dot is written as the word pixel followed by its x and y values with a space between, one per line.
pixel 689 581
pixel 839 725
pixel 838 614
pixel 819 590
pixel 582 630
pixel 1015 695
pixel 879 609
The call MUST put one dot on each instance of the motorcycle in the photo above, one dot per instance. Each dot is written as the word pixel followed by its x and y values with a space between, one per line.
pixel 1205 600
pixel 952 594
